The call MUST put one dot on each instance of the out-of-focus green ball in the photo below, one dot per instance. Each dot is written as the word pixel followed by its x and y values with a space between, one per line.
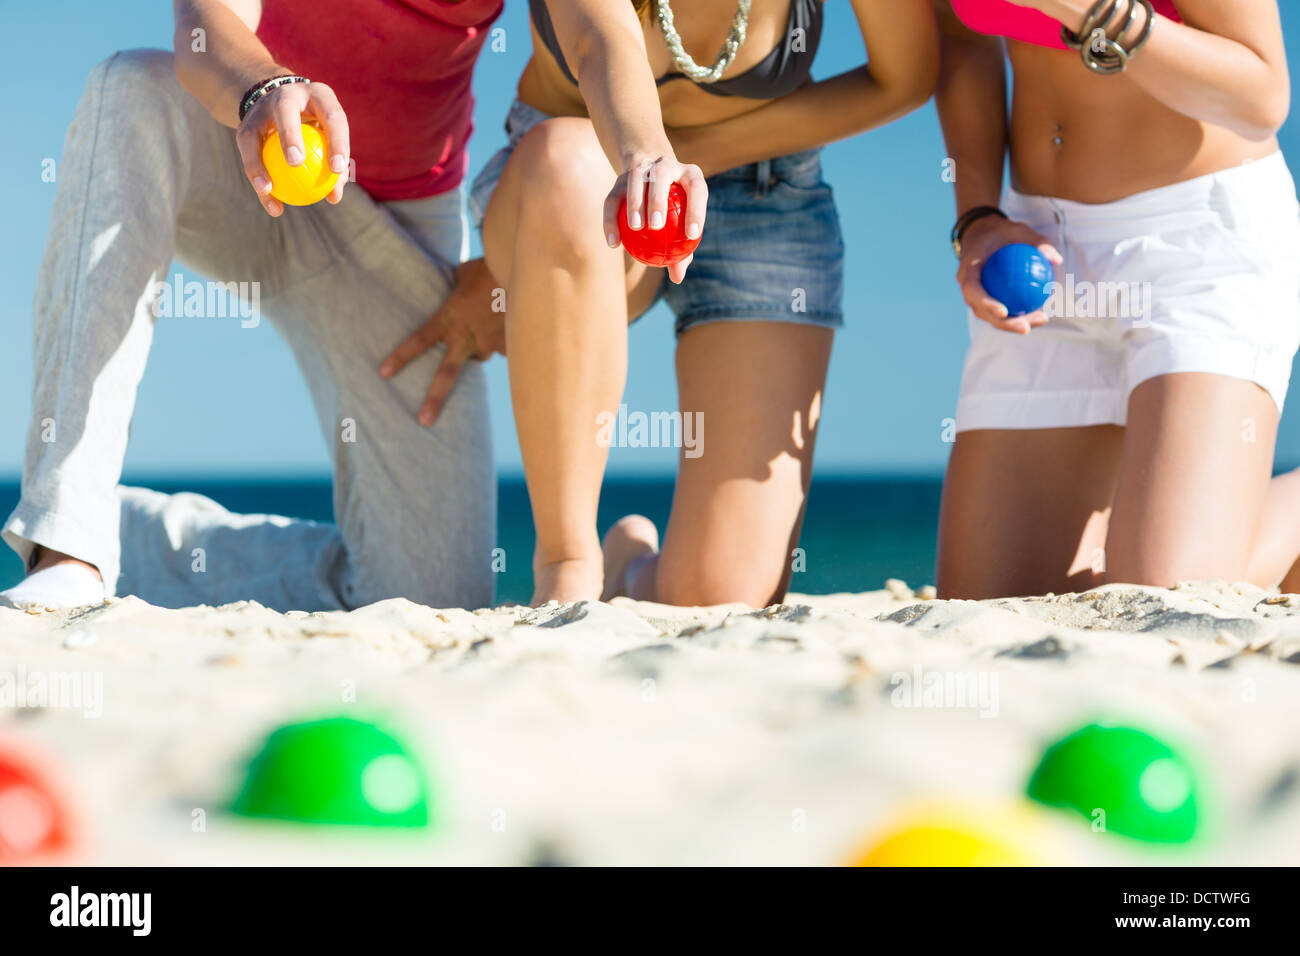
pixel 1144 787
pixel 335 771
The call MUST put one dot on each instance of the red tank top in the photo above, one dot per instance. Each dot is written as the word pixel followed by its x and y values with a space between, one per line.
pixel 999 18
pixel 402 70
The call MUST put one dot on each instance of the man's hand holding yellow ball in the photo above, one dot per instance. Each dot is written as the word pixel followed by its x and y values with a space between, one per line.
pixel 294 146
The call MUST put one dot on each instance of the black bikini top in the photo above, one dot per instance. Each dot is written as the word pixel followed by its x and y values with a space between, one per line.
pixel 782 71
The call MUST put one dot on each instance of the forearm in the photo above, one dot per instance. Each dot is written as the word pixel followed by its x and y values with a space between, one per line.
pixel 1238 81
pixel 623 104
pixel 604 46
pixel 902 66
pixel 232 58
pixel 971 100
pixel 815 115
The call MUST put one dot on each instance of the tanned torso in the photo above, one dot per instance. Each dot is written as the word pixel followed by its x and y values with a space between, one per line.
pixel 1089 138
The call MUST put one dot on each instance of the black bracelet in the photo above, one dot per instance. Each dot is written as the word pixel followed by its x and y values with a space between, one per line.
pixel 262 87
pixel 968 219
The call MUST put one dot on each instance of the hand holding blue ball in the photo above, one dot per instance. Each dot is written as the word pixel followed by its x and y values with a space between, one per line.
pixel 1019 277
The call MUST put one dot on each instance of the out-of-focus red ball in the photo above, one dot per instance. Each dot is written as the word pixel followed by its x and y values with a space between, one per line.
pixel 35 823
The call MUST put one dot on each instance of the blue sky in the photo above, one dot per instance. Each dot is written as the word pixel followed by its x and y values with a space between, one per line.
pixel 218 398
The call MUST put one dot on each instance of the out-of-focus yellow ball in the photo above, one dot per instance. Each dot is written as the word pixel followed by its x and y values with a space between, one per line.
pixel 954 837
pixel 306 183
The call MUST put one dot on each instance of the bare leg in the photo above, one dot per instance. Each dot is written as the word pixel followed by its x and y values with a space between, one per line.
pixel 1194 480
pixel 1291 581
pixel 1277 539
pixel 566 334
pixel 738 506
pixel 1025 511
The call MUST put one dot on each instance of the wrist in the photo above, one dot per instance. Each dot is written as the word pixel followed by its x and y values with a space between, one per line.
pixel 980 227
pixel 1068 12
pixel 1109 36
pixel 264 87
pixel 648 154
pixel 245 76
pixel 968 224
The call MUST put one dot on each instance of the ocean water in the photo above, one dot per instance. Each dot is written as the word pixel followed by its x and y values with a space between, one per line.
pixel 859 530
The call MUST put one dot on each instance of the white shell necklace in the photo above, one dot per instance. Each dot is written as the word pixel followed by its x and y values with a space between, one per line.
pixel 726 57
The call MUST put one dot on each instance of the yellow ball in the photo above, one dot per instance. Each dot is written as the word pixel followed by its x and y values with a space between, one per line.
pixel 306 183
pixel 953 838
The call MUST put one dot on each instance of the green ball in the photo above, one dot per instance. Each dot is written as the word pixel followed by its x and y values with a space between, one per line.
pixel 1146 789
pixel 335 771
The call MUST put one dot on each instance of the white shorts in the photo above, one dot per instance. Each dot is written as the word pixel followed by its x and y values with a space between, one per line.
pixel 1201 276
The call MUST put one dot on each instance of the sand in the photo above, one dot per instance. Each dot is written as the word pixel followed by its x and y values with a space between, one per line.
pixel 631 733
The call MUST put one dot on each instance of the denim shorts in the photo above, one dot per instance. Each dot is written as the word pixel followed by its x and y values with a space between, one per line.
pixel 771 249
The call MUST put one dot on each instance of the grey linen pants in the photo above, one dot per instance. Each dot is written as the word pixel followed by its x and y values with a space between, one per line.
pixel 148 175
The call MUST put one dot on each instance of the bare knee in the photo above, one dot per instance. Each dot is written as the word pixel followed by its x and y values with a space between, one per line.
pixel 1162 557
pixel 1149 576
pixel 137 88
pixel 131 71
pixel 564 179
pixel 1168 571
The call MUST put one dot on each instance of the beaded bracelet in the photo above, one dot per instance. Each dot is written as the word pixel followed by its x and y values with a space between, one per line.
pixel 262 87
pixel 1099 51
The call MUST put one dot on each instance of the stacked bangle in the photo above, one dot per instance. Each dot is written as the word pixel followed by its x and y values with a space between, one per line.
pixel 1102 52
pixel 262 87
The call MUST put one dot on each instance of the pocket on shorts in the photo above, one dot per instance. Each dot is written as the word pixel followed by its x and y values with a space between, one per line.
pixel 1212 280
pixel 801 178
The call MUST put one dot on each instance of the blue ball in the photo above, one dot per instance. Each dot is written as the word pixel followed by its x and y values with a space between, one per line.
pixel 1019 277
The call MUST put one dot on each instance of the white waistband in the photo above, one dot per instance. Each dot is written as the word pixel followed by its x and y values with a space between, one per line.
pixel 1266 181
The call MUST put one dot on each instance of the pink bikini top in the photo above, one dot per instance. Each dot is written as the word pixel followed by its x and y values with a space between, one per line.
pixel 1000 18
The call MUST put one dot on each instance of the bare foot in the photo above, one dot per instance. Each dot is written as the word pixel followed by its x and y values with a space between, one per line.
pixel 577 579
pixel 45 558
pixel 628 545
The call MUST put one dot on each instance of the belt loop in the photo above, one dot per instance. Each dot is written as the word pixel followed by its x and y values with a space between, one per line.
pixel 1058 214
pixel 763 176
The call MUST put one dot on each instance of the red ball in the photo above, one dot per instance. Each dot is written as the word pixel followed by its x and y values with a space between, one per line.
pixel 35 822
pixel 659 247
